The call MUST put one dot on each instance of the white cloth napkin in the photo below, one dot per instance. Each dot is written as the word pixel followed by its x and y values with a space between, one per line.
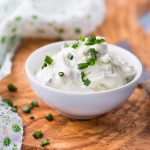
pixel 65 19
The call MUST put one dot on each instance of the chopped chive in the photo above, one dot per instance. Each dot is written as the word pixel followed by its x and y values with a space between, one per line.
pixel 44 65
pixel 61 74
pixel 87 82
pixel 18 18
pixel 78 30
pixel 66 45
pixel 30 106
pixel 61 30
pixel 70 56
pixel 37 134
pixel 48 60
pixel 6 141
pixel 12 88
pixel 81 38
pixel 93 53
pixel 49 117
pixel 16 128
pixel 34 103
pixel 34 17
pixel 14 108
pixel 82 65
pixel 8 102
pixel 31 117
pixel 44 142
pixel 75 45
pixel 26 109
pixel 99 41
pixel 91 61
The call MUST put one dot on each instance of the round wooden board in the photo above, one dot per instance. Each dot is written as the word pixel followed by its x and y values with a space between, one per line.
pixel 125 128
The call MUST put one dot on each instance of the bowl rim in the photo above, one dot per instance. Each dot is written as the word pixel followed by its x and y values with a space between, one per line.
pixel 30 76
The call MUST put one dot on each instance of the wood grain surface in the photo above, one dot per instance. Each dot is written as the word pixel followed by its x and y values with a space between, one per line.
pixel 125 128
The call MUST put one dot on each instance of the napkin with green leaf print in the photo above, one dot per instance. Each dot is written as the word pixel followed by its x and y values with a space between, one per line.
pixel 11 128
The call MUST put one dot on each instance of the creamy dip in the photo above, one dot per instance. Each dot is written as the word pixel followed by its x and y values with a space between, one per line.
pixel 85 65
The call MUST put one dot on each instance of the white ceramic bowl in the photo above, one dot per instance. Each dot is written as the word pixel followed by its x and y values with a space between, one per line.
pixel 80 105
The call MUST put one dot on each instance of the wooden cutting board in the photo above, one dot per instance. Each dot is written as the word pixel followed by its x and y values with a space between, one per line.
pixel 125 128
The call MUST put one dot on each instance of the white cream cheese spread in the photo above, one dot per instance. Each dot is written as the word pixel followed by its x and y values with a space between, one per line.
pixel 85 65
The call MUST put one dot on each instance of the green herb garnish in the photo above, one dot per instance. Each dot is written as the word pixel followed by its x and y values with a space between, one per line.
pixel 87 82
pixel 82 65
pixel 6 141
pixel 37 134
pixel 78 30
pixel 81 38
pixel 66 45
pixel 44 142
pixel 26 109
pixel 70 56
pixel 47 61
pixel 92 40
pixel 31 117
pixel 16 128
pixel 84 80
pixel 75 45
pixel 44 65
pixel 49 117
pixel 14 108
pixel 99 41
pixel 8 102
pixel 61 74
pixel 34 103
pixel 12 88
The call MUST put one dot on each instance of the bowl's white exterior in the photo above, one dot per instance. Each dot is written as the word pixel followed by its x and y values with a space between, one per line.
pixel 80 105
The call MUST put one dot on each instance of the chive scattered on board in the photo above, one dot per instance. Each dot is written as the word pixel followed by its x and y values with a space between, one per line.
pixel 49 117
pixel 34 103
pixel 31 117
pixel 44 142
pixel 11 87
pixel 14 108
pixel 37 134
pixel 8 102
pixel 26 109
pixel 16 128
